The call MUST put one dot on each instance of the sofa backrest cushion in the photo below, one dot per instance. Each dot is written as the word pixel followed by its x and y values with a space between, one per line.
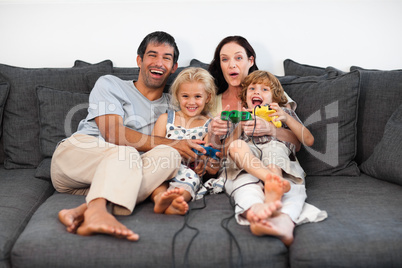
pixel 380 96
pixel 328 108
pixel 292 67
pixel 21 122
pixel 4 89
pixel 59 114
pixel 385 162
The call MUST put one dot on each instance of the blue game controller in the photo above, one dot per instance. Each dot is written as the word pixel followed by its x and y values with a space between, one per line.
pixel 211 152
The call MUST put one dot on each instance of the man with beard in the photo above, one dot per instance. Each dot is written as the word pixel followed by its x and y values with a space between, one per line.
pixel 112 159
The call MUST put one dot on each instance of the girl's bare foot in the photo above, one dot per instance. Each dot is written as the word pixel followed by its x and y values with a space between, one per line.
pixel 280 226
pixel 98 220
pixel 178 207
pixel 171 202
pixel 72 218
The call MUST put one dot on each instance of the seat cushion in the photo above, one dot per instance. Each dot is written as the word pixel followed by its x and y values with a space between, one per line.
pixel 363 228
pixel 46 243
pixel 20 195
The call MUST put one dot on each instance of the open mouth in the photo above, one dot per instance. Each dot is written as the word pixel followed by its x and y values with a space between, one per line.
pixel 192 109
pixel 157 72
pixel 256 100
pixel 233 74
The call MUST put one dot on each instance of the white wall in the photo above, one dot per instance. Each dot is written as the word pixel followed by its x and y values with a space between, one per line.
pixel 366 33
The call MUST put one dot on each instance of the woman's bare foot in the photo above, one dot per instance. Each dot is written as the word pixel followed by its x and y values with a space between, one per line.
pixel 98 220
pixel 262 211
pixel 171 202
pixel 280 226
pixel 72 218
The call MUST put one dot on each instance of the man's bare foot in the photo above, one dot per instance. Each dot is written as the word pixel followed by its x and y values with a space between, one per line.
pixel 72 218
pixel 98 220
pixel 171 202
pixel 280 226
pixel 262 211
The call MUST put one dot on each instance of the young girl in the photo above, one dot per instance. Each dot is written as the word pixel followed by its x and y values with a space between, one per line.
pixel 270 160
pixel 193 92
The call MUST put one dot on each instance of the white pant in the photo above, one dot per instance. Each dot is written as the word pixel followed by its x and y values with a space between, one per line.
pixel 248 190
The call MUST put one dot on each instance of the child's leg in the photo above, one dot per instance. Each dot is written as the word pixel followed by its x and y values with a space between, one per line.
pixel 170 201
pixel 244 158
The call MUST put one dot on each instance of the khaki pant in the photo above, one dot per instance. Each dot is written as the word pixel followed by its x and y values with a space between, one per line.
pixel 86 165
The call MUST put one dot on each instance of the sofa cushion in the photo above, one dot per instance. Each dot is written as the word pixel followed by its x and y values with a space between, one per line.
pixel 297 69
pixel 21 123
pixel 380 96
pixel 4 89
pixel 363 228
pixel 200 64
pixel 385 162
pixel 46 243
pixel 20 195
pixel 328 108
pixel 59 115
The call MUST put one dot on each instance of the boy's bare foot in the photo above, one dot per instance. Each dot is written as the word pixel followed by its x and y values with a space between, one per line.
pixel 275 187
pixel 171 202
pixel 72 218
pixel 98 220
pixel 262 211
pixel 280 226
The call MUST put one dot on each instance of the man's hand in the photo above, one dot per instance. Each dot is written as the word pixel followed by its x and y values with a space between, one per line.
pixel 184 147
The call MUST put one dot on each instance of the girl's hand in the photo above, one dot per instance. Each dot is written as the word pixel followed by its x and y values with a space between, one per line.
pixel 206 164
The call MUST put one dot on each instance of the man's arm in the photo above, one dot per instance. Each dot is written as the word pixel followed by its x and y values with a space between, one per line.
pixel 113 130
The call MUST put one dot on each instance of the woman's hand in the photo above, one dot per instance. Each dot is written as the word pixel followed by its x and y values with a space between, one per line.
pixel 262 127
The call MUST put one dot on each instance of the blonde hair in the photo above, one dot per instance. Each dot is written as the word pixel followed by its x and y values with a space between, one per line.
pixel 199 75
pixel 265 78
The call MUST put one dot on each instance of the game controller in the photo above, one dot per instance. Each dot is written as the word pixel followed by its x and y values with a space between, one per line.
pixel 211 152
pixel 264 112
pixel 236 116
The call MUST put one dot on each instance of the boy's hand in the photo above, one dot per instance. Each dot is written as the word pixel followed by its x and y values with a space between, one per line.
pixel 282 115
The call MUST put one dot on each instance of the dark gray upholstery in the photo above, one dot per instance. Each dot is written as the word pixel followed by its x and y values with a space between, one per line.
pixel 20 195
pixel 45 243
pixel 379 91
pixel 21 126
pixel 363 228
pixel 385 162
pixel 293 68
pixel 4 89
pixel 328 107
pixel 59 115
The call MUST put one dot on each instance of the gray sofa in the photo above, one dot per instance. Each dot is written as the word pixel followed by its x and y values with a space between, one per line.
pixel 354 173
